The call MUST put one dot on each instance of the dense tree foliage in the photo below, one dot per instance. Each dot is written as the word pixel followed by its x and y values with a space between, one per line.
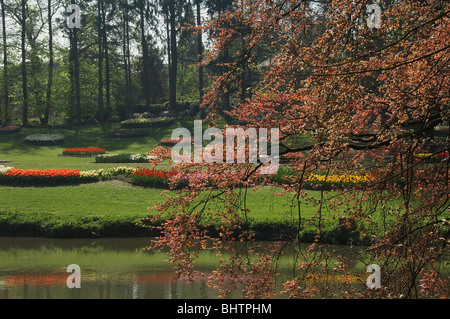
pixel 370 100
pixel 115 63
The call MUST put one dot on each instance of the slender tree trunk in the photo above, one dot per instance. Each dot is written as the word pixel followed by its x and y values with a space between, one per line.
pixel 107 65
pixel 127 81
pixel 45 120
pixel 5 67
pixel 75 74
pixel 101 115
pixel 127 63
pixel 75 59
pixel 130 87
pixel 24 65
pixel 200 54
pixel 145 73
pixel 74 69
pixel 174 56
pixel 169 56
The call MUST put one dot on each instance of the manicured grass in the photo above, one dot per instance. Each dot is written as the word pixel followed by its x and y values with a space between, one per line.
pixel 25 156
pixel 109 208
pixel 112 197
pixel 80 208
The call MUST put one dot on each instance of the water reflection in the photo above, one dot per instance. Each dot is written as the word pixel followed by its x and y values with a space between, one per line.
pixel 111 269
pixel 120 268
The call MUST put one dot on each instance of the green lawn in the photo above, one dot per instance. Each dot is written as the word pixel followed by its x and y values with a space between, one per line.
pixel 25 156
pixel 89 207
pixel 117 198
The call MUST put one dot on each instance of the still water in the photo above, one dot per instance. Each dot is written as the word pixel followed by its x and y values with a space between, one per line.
pixel 36 268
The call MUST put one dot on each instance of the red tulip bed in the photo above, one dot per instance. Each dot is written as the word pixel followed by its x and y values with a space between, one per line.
pixel 59 177
pixel 34 177
pixel 89 151
pixel 151 178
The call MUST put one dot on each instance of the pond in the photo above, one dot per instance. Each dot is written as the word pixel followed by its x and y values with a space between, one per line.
pixel 36 268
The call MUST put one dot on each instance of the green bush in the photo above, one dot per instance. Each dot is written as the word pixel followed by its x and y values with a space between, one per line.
pixel 130 133
pixel 122 158
pixel 38 181
pixel 145 122
pixel 151 182
pixel 44 139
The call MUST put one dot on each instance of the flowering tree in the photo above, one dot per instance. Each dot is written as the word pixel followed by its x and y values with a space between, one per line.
pixel 368 99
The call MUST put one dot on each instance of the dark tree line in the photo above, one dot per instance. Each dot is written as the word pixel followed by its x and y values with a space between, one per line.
pixel 126 53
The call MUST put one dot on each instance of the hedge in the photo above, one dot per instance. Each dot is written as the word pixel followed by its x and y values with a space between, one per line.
pixel 146 122
pixel 123 158
pixel 130 133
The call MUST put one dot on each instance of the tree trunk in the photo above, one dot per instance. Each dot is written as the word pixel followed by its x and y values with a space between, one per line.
pixel 145 62
pixel 108 69
pixel 174 56
pixel 127 63
pixel 45 119
pixel 24 66
pixel 200 54
pixel 101 115
pixel 75 74
pixel 5 67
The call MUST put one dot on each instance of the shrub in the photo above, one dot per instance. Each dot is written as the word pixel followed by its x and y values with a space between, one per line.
pixel 11 129
pixel 170 142
pixel 44 139
pixel 124 158
pixel 130 133
pixel 145 122
pixel 89 151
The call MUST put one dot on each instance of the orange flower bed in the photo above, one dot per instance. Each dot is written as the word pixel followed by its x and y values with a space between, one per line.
pixel 46 177
pixel 48 173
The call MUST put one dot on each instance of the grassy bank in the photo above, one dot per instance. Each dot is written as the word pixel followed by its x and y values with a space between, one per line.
pixel 111 208
pixel 115 208
pixel 26 156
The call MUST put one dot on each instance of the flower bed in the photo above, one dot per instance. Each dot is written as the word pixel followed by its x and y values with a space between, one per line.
pixel 106 174
pixel 429 156
pixel 151 178
pixel 145 123
pixel 44 139
pixel 316 181
pixel 10 129
pixel 4 169
pixel 40 177
pixel 53 177
pixel 89 151
pixel 124 158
